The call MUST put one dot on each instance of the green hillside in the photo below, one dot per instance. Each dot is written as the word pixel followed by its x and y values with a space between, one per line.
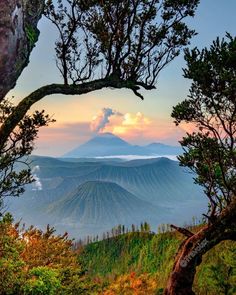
pixel 133 263
pixel 153 254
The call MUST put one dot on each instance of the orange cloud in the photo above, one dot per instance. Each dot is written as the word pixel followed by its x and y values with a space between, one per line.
pixel 139 129
pixel 131 122
pixel 136 128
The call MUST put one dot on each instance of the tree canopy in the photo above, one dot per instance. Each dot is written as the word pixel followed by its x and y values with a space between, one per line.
pixel 209 151
pixel 130 40
pixel 211 106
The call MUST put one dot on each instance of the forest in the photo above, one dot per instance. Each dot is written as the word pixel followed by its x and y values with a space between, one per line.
pixel 125 261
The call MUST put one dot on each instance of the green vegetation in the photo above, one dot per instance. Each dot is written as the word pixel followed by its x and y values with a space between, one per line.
pixel 153 255
pixel 32 34
pixel 42 280
pixel 34 262
pixel 139 252
pixel 209 152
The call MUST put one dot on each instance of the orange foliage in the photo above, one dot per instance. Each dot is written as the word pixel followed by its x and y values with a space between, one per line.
pixel 46 249
pixel 132 284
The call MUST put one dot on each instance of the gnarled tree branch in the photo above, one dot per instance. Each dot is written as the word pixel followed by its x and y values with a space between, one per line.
pixel 21 109
pixel 182 230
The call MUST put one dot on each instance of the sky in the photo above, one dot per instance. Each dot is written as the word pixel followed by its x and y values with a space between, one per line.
pixel 78 118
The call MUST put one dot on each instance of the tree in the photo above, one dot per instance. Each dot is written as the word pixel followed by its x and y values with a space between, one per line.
pixel 133 228
pixel 11 263
pixel 210 152
pixel 39 262
pixel 14 175
pixel 18 31
pixel 18 34
pixel 146 227
pixel 118 44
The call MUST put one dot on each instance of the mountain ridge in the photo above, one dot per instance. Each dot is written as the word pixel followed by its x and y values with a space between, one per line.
pixel 108 144
pixel 101 202
pixel 160 182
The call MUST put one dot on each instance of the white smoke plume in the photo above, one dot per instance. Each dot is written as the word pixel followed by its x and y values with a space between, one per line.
pixel 37 184
pixel 100 121
pixel 35 169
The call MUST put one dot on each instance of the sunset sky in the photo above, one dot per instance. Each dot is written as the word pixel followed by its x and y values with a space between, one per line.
pixel 139 122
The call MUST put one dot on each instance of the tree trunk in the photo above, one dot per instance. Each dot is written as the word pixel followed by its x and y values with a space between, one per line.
pixel 18 35
pixel 190 252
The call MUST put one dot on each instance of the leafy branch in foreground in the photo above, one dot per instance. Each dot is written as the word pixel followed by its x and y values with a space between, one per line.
pixel 15 171
pixel 132 39
pixel 210 152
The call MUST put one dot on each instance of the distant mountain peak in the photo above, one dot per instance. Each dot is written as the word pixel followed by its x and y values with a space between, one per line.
pixel 106 134
pixel 102 144
pixel 108 144
pixel 101 202
pixel 158 144
pixel 106 138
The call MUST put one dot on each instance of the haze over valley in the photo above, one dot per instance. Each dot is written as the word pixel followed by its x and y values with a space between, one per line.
pixel 84 195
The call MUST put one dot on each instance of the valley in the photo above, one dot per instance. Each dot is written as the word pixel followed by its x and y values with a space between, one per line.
pixel 88 198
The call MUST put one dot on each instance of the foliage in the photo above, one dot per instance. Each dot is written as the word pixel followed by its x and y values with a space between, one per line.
pixel 209 151
pixel 32 34
pixel 137 252
pixel 114 254
pixel 42 280
pixel 46 248
pixel 11 263
pixel 14 151
pixel 128 260
pixel 211 106
pixel 218 271
pixel 132 284
pixel 129 40
pixel 37 262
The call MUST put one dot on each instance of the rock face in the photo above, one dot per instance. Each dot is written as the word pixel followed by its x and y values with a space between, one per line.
pixel 18 34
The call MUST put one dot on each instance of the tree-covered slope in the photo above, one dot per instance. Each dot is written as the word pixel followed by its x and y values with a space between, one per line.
pixel 153 254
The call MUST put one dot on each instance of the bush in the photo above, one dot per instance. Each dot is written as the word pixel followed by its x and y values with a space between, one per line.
pixel 42 280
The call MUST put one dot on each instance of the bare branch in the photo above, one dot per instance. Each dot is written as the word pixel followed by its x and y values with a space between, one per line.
pixel 182 230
